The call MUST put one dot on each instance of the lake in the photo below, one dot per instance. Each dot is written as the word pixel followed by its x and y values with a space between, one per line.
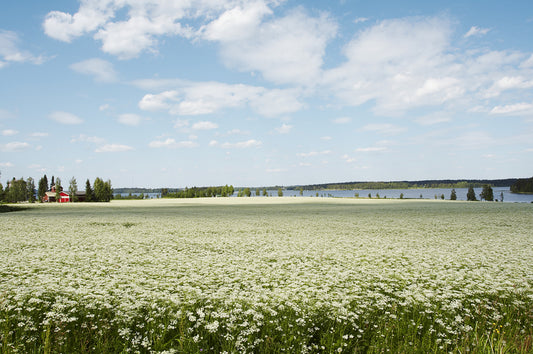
pixel 422 193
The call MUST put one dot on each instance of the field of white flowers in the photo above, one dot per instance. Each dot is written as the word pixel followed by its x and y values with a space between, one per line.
pixel 267 275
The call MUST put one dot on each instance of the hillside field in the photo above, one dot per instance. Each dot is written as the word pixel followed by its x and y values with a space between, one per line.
pixel 267 275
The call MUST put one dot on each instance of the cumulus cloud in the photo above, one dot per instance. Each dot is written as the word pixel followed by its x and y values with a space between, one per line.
pixel 476 31
pixel 14 146
pixel 313 153
pixel 204 125
pixel 285 50
pixel 65 118
pixel 513 109
pixel 284 129
pixel 129 119
pixel 9 132
pixel 127 36
pixel 87 139
pixel 100 69
pixel 11 53
pixel 242 144
pixel 198 98
pixel 372 149
pixel 6 164
pixel 114 148
pixel 172 144
pixel 384 128
pixel 342 120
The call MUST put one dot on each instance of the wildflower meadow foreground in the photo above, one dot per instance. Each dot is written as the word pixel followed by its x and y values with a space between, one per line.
pixel 267 275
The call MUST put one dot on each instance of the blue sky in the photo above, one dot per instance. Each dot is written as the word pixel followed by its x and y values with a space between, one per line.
pixel 252 93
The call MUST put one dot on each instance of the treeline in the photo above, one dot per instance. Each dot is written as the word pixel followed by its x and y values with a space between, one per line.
pixel 25 190
pixel 408 184
pixel 523 185
pixel 199 192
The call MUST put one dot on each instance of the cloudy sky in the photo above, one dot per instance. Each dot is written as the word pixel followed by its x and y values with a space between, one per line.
pixel 207 92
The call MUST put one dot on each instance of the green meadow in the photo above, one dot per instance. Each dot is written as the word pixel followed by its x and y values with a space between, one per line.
pixel 267 275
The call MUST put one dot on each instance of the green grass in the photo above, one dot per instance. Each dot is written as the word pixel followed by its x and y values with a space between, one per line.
pixel 268 275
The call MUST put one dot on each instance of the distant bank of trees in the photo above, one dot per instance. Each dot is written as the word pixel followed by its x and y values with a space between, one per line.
pixel 523 185
pixel 25 190
pixel 199 192
pixel 408 184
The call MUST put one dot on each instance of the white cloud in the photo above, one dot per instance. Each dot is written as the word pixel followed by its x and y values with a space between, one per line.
pixel 476 31
pixel 213 143
pixel 172 144
pixel 285 50
pixel 398 64
pixel 6 164
pixel 342 120
pixel 87 139
pixel 513 109
pixel 284 129
pixel 348 158
pixel 100 69
pixel 9 132
pixel 127 37
pixel 129 119
pixel 433 118
pixel 39 135
pixel 313 153
pixel 151 102
pixel 242 145
pixel 65 27
pixel 198 98
pixel 326 138
pixel 14 146
pixel 114 148
pixel 384 128
pixel 204 125
pixel 104 107
pixel 65 118
pixel 360 20
pixel 372 149
pixel 11 53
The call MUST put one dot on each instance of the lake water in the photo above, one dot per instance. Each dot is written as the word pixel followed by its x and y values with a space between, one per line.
pixel 423 193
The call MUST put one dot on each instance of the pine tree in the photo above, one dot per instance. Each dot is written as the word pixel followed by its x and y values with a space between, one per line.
pixel 453 196
pixel 471 195
pixel 89 194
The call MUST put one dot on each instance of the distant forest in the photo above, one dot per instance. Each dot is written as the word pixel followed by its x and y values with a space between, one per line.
pixel 446 183
pixel 523 185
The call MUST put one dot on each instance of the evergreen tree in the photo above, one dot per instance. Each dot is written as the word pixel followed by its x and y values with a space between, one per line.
pixel 30 185
pixel 247 192
pixel 108 191
pixel 280 192
pixel 453 196
pixel 471 195
pixel 42 189
pixel 257 192
pixel 52 183
pixel 265 192
pixel 89 194
pixel 487 193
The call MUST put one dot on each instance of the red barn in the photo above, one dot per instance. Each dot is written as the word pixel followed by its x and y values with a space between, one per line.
pixel 51 196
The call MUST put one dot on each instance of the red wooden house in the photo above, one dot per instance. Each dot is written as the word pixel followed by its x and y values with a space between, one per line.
pixel 51 196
